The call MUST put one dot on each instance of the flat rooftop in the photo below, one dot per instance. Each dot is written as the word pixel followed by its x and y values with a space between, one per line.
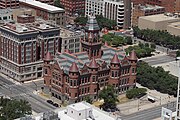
pixel 159 17
pixel 5 11
pixel 97 113
pixel 149 7
pixel 79 106
pixel 45 6
pixel 175 25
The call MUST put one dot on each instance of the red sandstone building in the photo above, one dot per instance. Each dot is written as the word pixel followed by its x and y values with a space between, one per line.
pixel 73 7
pixel 9 4
pixel 72 77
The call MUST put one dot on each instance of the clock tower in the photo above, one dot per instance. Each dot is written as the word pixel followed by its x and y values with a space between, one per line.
pixel 92 42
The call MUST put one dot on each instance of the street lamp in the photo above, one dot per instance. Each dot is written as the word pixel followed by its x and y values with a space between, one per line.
pixel 177 103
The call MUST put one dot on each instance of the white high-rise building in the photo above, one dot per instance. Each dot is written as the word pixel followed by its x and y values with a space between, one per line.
pixel 111 9
pixel 114 10
pixel 96 5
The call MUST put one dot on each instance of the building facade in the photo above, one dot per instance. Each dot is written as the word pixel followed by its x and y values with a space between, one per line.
pixel 177 6
pixel 117 10
pixel 169 5
pixel 45 11
pixel 71 40
pixel 151 22
pixel 23 47
pixel 137 2
pixel 73 7
pixel 174 28
pixel 5 14
pixel 9 4
pixel 127 14
pixel 97 6
pixel 72 77
pixel 22 11
pixel 145 10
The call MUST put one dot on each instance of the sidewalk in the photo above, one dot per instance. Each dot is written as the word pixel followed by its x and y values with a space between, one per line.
pixel 143 103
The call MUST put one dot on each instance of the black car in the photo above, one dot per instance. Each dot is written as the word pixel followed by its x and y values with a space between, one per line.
pixel 50 101
pixel 56 105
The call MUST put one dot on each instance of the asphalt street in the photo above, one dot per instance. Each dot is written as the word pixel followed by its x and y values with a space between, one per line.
pixel 158 59
pixel 18 91
pixel 149 114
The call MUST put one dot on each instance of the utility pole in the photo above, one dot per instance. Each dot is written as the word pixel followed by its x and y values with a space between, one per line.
pixel 35 84
pixel 138 104
pixel 160 100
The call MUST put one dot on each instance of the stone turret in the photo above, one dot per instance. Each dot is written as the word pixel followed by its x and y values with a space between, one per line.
pixel 73 82
pixel 92 42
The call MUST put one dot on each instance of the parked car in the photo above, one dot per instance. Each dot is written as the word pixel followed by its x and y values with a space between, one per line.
pixel 50 102
pixel 56 105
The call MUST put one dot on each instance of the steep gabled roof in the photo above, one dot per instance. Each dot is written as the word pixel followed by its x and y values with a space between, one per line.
pixel 48 57
pixel 133 55
pixel 74 67
pixel 93 63
pixel 115 59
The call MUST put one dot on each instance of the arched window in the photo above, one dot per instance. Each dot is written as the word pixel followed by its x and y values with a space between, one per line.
pixel 112 73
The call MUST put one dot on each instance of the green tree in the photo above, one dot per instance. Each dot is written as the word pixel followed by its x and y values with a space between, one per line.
pixel 128 40
pixel 58 4
pixel 153 45
pixel 109 97
pixel 118 40
pixel 135 92
pixel 102 22
pixel 141 50
pixel 81 20
pixel 178 53
pixel 12 109
pixel 158 37
pixel 88 99
pixel 107 38
pixel 156 78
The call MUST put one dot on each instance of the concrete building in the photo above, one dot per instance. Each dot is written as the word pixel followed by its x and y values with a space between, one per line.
pixel 174 28
pixel 9 4
pixel 72 77
pixel 137 2
pixel 111 9
pixel 77 111
pixel 127 14
pixel 157 22
pixel 73 7
pixel 71 40
pixel 97 6
pixel 45 11
pixel 114 10
pixel 23 47
pixel 22 11
pixel 169 5
pixel 177 6
pixel 145 10
pixel 5 14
